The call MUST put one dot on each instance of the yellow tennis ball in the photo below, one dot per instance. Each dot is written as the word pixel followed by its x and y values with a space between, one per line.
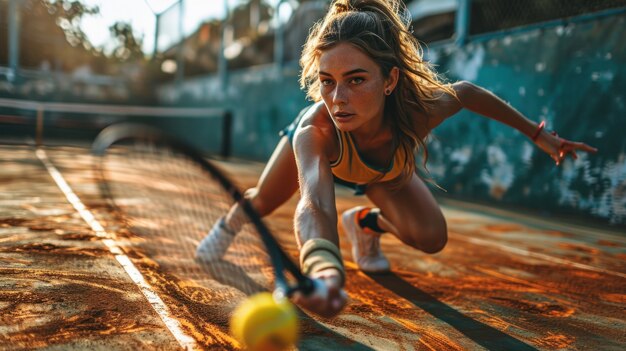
pixel 263 324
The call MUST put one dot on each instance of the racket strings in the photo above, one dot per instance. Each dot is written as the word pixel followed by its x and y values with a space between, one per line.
pixel 171 203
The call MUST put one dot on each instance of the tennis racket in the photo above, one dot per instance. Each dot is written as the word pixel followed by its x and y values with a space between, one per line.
pixel 169 195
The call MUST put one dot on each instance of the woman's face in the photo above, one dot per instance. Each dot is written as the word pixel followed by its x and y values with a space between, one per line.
pixel 352 87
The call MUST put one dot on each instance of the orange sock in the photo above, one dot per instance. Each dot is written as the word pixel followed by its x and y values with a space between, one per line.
pixel 367 219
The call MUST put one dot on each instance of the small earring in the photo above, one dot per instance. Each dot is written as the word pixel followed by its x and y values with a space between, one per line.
pixel 387 92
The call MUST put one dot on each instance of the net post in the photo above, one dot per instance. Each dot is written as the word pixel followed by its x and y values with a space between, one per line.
pixel 463 21
pixel 14 25
pixel 39 128
pixel 155 50
pixel 227 122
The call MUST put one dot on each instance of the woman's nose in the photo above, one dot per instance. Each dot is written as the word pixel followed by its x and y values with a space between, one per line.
pixel 340 95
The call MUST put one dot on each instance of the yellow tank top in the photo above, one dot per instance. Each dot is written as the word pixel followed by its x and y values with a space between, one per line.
pixel 351 168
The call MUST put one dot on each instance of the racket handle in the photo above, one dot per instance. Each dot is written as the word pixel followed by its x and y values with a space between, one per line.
pixel 306 286
pixel 319 290
pixel 311 288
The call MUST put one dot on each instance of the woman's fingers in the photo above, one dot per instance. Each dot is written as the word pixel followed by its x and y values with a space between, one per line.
pixel 559 148
pixel 579 146
pixel 587 148
pixel 569 147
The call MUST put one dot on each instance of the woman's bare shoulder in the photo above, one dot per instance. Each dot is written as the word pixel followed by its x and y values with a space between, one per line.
pixel 317 132
pixel 318 117
pixel 436 112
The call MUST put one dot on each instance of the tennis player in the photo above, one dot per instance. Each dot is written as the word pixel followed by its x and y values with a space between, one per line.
pixel 376 101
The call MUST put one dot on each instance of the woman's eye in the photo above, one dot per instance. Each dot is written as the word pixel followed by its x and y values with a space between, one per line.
pixel 326 82
pixel 357 80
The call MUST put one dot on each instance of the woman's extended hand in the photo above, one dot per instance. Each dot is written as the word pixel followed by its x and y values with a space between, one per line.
pixel 331 301
pixel 558 148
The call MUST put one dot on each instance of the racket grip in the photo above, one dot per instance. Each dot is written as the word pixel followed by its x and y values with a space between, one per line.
pixel 305 286
pixel 319 290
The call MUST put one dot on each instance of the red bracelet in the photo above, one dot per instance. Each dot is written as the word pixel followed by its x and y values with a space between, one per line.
pixel 539 129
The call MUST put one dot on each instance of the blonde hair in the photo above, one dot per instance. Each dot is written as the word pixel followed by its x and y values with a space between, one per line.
pixel 381 29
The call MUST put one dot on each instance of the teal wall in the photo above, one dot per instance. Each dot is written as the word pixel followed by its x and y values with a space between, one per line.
pixel 573 76
pixel 263 100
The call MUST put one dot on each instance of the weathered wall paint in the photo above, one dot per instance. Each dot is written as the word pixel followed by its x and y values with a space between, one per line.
pixel 573 76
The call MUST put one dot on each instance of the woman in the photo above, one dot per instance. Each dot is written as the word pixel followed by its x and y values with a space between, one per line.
pixel 376 101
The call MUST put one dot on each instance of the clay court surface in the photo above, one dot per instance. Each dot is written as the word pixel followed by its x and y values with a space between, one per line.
pixel 504 281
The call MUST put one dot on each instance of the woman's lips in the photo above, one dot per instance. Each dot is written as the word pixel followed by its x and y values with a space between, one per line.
pixel 343 116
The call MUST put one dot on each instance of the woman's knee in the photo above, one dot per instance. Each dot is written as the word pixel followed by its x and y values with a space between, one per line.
pixel 436 242
pixel 266 199
pixel 257 201
pixel 430 239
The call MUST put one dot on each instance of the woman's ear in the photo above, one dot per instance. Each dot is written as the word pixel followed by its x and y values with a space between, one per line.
pixel 392 80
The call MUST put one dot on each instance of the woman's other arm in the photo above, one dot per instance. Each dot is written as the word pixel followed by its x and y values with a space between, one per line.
pixel 485 103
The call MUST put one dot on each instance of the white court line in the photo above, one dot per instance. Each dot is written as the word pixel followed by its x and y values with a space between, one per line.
pixel 541 256
pixel 186 341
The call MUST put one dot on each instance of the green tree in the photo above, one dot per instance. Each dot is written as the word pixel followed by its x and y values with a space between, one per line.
pixel 128 47
pixel 51 35
pixel 68 15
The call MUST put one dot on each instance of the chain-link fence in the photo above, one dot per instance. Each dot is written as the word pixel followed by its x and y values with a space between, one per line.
pixel 494 15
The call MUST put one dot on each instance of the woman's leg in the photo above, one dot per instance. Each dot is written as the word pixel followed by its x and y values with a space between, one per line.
pixel 411 214
pixel 277 184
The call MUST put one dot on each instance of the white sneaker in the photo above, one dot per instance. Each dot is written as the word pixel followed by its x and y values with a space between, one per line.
pixel 365 245
pixel 214 245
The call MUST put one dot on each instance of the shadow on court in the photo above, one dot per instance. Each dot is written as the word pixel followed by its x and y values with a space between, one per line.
pixel 482 334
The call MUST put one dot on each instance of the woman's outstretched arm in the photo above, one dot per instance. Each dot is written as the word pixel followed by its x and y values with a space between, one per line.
pixel 315 222
pixel 484 102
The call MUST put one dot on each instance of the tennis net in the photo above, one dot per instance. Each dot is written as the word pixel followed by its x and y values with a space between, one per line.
pixel 206 128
